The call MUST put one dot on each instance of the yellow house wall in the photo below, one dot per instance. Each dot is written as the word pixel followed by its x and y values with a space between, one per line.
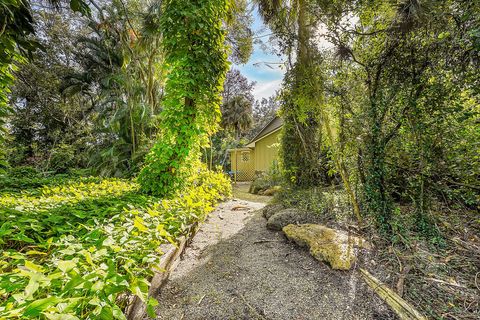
pixel 266 151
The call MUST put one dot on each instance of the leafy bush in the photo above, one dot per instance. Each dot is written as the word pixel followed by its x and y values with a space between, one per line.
pixel 267 180
pixel 62 157
pixel 71 251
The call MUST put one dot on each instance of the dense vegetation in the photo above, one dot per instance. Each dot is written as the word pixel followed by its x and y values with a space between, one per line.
pixel 106 108
pixel 390 105
pixel 381 98
pixel 88 101
pixel 72 249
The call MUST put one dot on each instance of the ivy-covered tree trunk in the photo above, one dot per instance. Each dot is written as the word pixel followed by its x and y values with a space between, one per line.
pixel 377 199
pixel 301 139
pixel 195 53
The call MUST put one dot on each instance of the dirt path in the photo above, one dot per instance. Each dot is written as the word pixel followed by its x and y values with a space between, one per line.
pixel 237 269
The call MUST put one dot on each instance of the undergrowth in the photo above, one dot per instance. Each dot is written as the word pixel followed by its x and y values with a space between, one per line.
pixel 73 248
pixel 326 202
pixel 434 264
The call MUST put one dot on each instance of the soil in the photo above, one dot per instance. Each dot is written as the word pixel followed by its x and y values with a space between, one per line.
pixel 235 268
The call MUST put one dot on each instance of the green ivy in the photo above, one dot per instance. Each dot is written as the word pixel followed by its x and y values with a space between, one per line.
pixel 196 58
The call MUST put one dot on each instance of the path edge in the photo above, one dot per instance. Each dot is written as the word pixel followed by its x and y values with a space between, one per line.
pixel 137 309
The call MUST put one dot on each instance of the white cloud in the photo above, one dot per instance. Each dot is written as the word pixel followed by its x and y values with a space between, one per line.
pixel 266 89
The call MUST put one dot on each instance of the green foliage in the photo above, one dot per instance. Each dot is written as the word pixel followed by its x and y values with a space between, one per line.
pixel 237 115
pixel 273 177
pixel 17 44
pixel 121 80
pixel 193 39
pixel 304 158
pixel 73 249
pixel 399 93
pixel 26 178
pixel 240 34
pixel 325 202
pixel 44 122
pixel 16 23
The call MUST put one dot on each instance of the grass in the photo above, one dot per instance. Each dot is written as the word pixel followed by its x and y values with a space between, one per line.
pixel 240 191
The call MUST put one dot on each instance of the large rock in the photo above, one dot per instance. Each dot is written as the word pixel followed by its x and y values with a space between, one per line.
pixel 271 209
pixel 337 248
pixel 285 217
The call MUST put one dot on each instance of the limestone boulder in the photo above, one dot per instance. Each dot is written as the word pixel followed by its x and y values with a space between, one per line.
pixel 337 248
pixel 271 209
pixel 288 216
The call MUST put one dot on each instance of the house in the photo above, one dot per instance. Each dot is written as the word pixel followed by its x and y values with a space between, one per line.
pixel 259 154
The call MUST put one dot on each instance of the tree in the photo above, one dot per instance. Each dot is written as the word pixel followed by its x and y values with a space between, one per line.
pixel 44 124
pixel 195 52
pixel 236 84
pixel 121 70
pixel 237 103
pixel 304 161
pixel 263 112
pixel 17 43
pixel 399 57
pixel 237 115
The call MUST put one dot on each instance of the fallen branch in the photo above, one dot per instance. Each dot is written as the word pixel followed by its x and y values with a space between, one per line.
pixel 404 310
pixel 446 283
pixel 401 280
pixel 264 241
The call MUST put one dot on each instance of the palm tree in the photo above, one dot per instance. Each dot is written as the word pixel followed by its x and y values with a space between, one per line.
pixel 121 71
pixel 237 115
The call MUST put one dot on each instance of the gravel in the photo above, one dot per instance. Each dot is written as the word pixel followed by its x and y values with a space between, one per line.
pixel 235 268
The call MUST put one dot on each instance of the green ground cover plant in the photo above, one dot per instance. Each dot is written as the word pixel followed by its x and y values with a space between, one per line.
pixel 75 250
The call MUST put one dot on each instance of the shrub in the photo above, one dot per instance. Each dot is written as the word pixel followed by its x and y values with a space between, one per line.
pixel 267 180
pixel 62 157
pixel 328 202
pixel 28 178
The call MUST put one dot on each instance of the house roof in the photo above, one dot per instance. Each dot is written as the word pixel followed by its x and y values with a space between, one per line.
pixel 274 125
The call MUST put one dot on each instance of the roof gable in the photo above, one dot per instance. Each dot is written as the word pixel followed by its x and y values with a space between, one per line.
pixel 275 124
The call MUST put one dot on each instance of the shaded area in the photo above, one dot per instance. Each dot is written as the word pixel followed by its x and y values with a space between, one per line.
pixel 237 269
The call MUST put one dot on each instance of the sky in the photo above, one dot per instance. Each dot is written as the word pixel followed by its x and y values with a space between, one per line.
pixel 268 78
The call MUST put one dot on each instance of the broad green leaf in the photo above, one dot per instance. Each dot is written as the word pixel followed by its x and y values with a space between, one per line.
pixel 60 316
pixel 33 267
pixel 152 303
pixel 118 314
pixel 66 265
pixel 36 307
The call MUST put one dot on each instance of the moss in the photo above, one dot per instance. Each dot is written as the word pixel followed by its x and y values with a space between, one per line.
pixel 337 248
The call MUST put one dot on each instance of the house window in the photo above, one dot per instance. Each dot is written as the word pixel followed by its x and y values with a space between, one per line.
pixel 245 156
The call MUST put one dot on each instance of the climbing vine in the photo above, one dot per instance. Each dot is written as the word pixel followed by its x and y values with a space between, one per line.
pixel 196 56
